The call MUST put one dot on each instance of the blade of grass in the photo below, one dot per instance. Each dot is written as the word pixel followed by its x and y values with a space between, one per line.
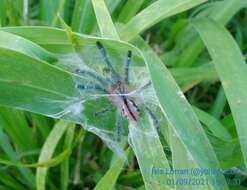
pixel 112 5
pixel 187 78
pixel 180 114
pixel 47 151
pixel 60 11
pixel 68 143
pixel 231 68
pixel 12 13
pixel 182 161
pixel 109 179
pixel 223 12
pixel 154 13
pixel 213 124
pixel 106 26
pixel 132 178
pixel 3 15
pixel 48 10
pixel 42 123
pixel 129 10
pixel 24 46
pixel 11 153
pixel 83 19
pixel 225 151
pixel 17 127
pixel 10 182
pixel 150 155
pixel 219 103
pixel 48 163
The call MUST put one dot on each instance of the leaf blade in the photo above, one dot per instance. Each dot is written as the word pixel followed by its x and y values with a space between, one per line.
pixel 106 26
pixel 156 12
pixel 231 69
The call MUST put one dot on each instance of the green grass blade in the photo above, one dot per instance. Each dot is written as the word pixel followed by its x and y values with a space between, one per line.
pixel 150 155
pixel 113 5
pixel 213 124
pixel 181 161
pixel 68 143
pixel 106 26
pixel 219 103
pixel 6 146
pixel 225 151
pixel 47 151
pixel 12 12
pixel 24 46
pixel 154 13
pixel 48 10
pixel 43 124
pixel 231 68
pixel 180 114
pixel 17 127
pixel 228 10
pixel 83 19
pixel 60 11
pixel 3 14
pixel 187 78
pixel 129 10
pixel 222 12
pixel 47 37
pixel 109 179
pixel 39 89
pixel 48 163
pixel 10 182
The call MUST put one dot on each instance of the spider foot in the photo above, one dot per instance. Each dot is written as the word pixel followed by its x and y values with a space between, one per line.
pixel 103 111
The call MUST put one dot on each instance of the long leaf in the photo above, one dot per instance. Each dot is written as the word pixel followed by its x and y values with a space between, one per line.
pixel 104 20
pixel 150 155
pixel 109 179
pixel 222 11
pixel 48 150
pixel 48 163
pixel 181 161
pixel 83 19
pixel 231 68
pixel 10 152
pixel 154 13
pixel 180 114
pixel 68 142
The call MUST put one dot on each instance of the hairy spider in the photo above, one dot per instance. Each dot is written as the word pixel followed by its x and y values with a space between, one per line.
pixel 117 88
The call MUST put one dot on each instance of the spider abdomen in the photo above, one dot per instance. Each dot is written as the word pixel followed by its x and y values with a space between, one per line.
pixel 130 109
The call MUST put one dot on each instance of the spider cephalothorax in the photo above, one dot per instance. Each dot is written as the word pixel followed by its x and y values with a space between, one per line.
pixel 117 88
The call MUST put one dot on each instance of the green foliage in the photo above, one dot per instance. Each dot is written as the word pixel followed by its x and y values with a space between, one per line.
pixel 193 52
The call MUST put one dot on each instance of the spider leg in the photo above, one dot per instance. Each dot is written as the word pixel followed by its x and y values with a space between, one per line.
pixel 93 86
pixel 141 88
pixel 104 110
pixel 115 77
pixel 118 130
pixel 93 75
pixel 154 118
pixel 126 67
pixel 144 86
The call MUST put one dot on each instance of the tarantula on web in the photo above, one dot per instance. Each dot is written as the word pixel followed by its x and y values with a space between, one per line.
pixel 117 88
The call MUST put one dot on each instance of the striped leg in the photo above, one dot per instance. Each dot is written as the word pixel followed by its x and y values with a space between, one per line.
pixel 126 67
pixel 115 77
pixel 118 130
pixel 91 86
pixel 102 111
pixel 93 75
pixel 153 117
pixel 143 87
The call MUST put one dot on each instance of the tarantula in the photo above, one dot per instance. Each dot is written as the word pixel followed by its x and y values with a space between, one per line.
pixel 117 88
